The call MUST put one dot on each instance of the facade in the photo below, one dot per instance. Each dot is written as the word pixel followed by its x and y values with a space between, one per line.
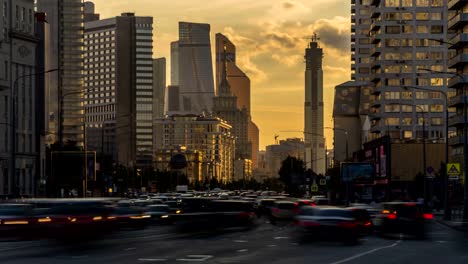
pixel 119 88
pixel 89 12
pixel 459 82
pixel 313 109
pixel 275 154
pixel 260 172
pixel 210 136
pixel 195 70
pixel 240 87
pixel 173 95
pixel 225 106
pixel 18 146
pixel 350 111
pixel 242 170
pixel 194 169
pixel 159 87
pixel 395 44
pixel 175 63
pixel 66 111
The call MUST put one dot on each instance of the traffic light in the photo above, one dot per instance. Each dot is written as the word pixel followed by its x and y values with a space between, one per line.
pixel 138 172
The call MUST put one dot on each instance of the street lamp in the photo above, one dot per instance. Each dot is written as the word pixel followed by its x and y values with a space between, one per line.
pixel 13 94
pixel 447 212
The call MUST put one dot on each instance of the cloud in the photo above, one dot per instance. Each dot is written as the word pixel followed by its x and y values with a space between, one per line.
pixel 333 33
pixel 288 5
pixel 288 60
pixel 283 39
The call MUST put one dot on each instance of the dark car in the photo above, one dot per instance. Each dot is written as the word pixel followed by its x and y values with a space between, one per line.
pixel 16 219
pixel 159 213
pixel 283 210
pixel 327 223
pixel 363 219
pixel 128 217
pixel 264 207
pixel 402 218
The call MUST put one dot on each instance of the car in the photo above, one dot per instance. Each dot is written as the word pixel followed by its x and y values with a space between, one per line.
pixel 159 213
pixel 402 218
pixel 128 217
pixel 283 210
pixel 16 219
pixel 363 220
pixel 327 223
pixel 264 207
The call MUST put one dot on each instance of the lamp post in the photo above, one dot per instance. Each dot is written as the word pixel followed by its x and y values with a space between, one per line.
pixel 447 211
pixel 13 94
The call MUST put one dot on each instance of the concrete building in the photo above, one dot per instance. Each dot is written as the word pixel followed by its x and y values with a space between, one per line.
pixel 18 148
pixel 195 69
pixel 66 18
pixel 173 96
pixel 350 111
pixel 459 81
pixel 395 44
pixel 119 84
pixel 210 136
pixel 313 109
pixel 89 12
pixel 225 106
pixel 194 169
pixel 242 170
pixel 159 87
pixel 275 154
pixel 240 87
pixel 260 172
pixel 175 63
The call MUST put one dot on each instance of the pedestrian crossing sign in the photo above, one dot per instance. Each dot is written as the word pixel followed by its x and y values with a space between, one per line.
pixel 453 169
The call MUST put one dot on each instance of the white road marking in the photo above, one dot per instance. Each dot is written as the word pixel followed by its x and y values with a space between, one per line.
pixel 151 259
pixel 78 257
pixel 160 235
pixel 441 241
pixel 242 250
pixel 366 253
pixel 240 241
pixel 128 249
pixel 277 238
pixel 195 258
pixel 273 245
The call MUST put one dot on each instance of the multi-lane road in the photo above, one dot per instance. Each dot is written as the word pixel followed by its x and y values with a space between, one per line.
pixel 264 244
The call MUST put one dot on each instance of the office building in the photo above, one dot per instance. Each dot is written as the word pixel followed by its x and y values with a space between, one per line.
pixel 66 111
pixel 89 12
pixel 159 87
pixel 18 148
pixel 195 70
pixel 313 109
pixel 395 44
pixel 210 136
pixel 175 63
pixel 119 85
pixel 239 85
pixel 275 154
pixel 242 170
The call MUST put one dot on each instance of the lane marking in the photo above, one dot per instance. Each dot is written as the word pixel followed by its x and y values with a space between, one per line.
pixel 366 253
pixel 195 258
pixel 441 241
pixel 78 257
pixel 242 250
pixel 273 245
pixel 278 238
pixel 128 249
pixel 151 259
pixel 160 235
pixel 240 241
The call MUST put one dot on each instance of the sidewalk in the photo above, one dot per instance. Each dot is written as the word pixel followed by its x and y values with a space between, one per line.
pixel 456 223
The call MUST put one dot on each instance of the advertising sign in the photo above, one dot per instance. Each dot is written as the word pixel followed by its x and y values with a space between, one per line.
pixel 357 172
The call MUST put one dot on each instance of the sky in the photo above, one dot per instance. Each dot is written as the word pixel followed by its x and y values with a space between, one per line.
pixel 270 38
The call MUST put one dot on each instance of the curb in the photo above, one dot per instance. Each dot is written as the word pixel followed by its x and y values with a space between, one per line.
pixel 455 227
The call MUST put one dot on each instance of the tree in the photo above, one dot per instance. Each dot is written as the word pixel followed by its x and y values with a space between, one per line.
pixel 292 174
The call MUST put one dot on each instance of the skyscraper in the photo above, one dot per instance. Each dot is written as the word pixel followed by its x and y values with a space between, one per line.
pixel 394 44
pixel 239 85
pixel 159 87
pixel 119 83
pixel 66 19
pixel 313 109
pixel 195 68
pixel 18 149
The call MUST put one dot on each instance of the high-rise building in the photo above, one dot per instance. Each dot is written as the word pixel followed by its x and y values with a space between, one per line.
pixel 195 69
pixel 395 44
pixel 225 106
pixel 119 84
pixel 66 19
pixel 89 12
pixel 159 87
pixel 175 63
pixel 173 96
pixel 239 85
pixel 459 81
pixel 275 154
pixel 313 109
pixel 210 136
pixel 18 149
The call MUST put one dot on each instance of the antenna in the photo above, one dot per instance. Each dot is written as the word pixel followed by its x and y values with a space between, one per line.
pixel 313 38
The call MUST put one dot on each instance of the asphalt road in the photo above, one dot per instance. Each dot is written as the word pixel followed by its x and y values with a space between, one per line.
pixel 264 244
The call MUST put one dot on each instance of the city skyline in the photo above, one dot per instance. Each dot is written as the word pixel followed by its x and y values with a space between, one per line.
pixel 270 49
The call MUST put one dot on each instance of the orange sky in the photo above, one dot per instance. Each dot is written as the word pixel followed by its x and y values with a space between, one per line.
pixel 270 37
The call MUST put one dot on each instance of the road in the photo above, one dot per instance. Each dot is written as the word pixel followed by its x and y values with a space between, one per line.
pixel 264 244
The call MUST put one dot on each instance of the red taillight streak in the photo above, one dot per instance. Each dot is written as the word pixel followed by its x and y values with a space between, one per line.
pixel 428 216
pixel 391 216
pixel 347 224
pixel 368 223
pixel 307 223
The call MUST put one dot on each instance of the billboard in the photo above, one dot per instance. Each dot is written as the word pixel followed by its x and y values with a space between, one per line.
pixel 357 172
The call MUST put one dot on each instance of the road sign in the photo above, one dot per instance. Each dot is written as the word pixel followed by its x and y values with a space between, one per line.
pixel 323 182
pixel 314 188
pixel 453 169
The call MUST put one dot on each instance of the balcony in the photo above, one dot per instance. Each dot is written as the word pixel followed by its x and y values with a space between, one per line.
pixel 457 140
pixel 458 60
pixel 456 120
pixel 457 100
pixel 458 21
pixel 458 41
pixel 457 81
pixel 456 4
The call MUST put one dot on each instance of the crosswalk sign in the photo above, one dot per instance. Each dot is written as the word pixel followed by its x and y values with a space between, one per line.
pixel 453 169
pixel 314 188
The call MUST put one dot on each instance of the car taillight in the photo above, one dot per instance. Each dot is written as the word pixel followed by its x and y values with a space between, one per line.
pixel 391 216
pixel 347 224
pixel 275 210
pixel 368 223
pixel 428 216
